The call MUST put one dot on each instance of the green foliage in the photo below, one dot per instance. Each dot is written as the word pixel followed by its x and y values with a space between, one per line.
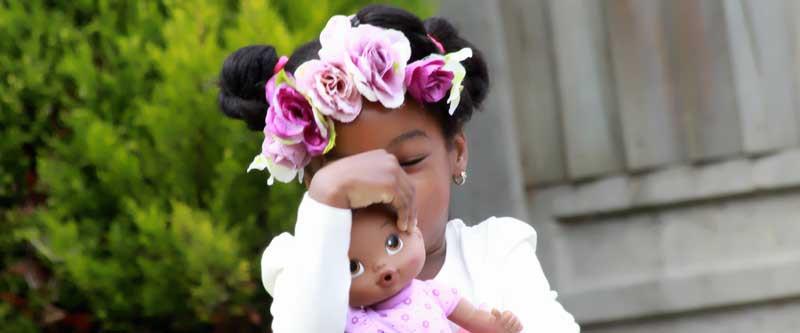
pixel 124 205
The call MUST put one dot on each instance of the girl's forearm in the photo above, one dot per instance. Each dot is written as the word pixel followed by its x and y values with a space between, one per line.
pixel 310 289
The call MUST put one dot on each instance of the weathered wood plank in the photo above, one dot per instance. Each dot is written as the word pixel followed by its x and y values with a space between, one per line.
pixel 794 19
pixel 535 105
pixel 761 51
pixel 585 88
pixel 704 88
pixel 651 126
pixel 494 186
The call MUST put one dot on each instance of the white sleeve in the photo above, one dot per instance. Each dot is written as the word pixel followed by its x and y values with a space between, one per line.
pixel 308 275
pixel 527 293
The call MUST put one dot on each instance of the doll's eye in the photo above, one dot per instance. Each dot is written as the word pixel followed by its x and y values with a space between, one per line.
pixel 393 244
pixel 356 268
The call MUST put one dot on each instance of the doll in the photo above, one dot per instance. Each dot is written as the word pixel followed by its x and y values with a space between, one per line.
pixel 386 297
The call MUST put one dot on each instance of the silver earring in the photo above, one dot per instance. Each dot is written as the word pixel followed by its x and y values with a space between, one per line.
pixel 460 179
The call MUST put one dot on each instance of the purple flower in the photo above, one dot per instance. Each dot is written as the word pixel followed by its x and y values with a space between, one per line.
pixel 427 81
pixel 290 156
pixel 332 39
pixel 284 162
pixel 289 112
pixel 315 142
pixel 294 132
pixel 331 90
pixel 376 60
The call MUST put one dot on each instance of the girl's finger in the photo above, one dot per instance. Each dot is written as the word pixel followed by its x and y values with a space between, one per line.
pixel 399 206
pixel 414 210
pixel 407 213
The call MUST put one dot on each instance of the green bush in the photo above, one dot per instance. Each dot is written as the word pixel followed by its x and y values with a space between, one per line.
pixel 124 205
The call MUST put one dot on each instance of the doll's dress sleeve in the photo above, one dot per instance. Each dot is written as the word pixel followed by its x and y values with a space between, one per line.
pixel 447 298
pixel 307 274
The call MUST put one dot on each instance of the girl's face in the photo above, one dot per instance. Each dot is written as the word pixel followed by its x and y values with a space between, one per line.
pixel 414 136
pixel 383 260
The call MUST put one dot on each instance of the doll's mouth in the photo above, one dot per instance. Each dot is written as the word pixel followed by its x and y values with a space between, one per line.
pixel 394 296
pixel 388 278
pixel 392 283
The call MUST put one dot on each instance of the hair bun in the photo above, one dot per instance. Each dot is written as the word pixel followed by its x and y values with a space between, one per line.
pixel 241 84
pixel 476 83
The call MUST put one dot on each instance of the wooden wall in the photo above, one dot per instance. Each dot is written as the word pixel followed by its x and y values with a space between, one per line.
pixel 626 86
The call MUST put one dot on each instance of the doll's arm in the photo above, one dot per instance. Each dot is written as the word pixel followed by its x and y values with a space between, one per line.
pixel 476 320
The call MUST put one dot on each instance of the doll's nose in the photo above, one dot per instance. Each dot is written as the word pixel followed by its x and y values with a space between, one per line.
pixel 387 277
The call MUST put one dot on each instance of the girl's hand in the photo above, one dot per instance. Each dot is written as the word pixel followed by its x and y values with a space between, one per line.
pixel 364 179
pixel 507 321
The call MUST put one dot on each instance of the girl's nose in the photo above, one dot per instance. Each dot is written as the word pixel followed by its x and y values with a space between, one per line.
pixel 387 277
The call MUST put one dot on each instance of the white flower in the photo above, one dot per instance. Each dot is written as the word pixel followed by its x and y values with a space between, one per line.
pixel 453 63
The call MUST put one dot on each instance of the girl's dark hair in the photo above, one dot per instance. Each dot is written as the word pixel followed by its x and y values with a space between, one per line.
pixel 245 71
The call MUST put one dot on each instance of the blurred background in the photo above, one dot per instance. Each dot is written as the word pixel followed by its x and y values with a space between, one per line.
pixel 654 145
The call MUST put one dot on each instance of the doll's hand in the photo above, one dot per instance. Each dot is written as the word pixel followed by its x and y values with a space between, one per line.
pixel 507 322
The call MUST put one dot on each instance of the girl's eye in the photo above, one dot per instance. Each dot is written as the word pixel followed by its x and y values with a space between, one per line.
pixel 393 244
pixel 356 268
pixel 412 162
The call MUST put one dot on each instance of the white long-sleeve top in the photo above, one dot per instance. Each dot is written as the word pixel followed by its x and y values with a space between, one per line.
pixel 493 264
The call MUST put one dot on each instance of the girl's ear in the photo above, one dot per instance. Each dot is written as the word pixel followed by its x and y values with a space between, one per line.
pixel 308 173
pixel 460 153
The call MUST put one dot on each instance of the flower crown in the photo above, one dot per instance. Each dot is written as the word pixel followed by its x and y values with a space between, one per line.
pixel 354 62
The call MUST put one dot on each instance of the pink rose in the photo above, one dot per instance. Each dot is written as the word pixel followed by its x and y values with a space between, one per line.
pixel 292 132
pixel 314 141
pixel 426 81
pixel 331 90
pixel 376 60
pixel 289 112
pixel 332 39
pixel 294 156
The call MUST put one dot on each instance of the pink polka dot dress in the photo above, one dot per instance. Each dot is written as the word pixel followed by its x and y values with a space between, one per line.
pixel 423 306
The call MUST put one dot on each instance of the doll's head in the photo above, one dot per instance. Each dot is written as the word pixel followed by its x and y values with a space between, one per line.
pixel 383 260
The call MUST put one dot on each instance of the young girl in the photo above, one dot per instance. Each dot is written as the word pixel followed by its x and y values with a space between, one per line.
pixel 339 120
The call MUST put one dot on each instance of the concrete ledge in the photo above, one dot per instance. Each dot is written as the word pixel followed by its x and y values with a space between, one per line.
pixel 688 291
pixel 678 185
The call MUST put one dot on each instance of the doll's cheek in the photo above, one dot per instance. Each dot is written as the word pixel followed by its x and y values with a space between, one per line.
pixel 359 292
pixel 416 259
